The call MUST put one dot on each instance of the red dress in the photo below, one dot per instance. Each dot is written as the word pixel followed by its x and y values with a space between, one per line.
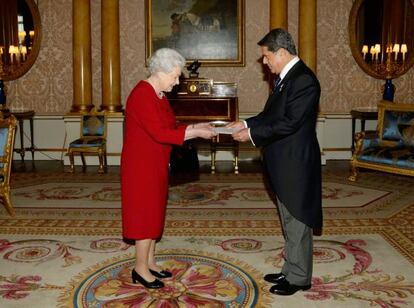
pixel 150 131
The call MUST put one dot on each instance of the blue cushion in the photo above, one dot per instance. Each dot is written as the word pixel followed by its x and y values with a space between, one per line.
pixel 370 142
pixel 407 135
pixel 4 131
pixel 399 156
pixel 390 125
pixel 87 142
pixel 93 125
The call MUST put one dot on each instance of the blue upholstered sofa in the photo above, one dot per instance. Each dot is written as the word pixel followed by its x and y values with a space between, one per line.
pixel 391 147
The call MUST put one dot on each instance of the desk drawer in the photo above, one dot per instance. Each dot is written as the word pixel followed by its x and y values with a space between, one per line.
pixel 204 109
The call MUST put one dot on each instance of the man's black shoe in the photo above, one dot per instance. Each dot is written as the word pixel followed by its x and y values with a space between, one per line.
pixel 285 288
pixel 274 278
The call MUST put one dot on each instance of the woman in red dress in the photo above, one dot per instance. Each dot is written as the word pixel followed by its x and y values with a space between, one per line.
pixel 150 132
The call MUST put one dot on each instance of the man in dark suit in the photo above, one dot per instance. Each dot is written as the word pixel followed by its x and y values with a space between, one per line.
pixel 285 130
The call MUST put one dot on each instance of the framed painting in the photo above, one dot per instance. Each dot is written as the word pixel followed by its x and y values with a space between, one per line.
pixel 210 31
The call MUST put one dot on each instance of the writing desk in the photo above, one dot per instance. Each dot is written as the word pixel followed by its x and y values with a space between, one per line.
pixel 204 100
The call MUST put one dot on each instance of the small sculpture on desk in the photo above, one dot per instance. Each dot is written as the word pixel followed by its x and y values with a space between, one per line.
pixel 192 68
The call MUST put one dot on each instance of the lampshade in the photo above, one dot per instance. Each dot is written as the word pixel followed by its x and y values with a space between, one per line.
pixel 365 49
pixel 404 48
pixel 396 48
pixel 22 34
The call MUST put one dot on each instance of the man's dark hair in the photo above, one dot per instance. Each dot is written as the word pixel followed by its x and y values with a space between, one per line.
pixel 278 38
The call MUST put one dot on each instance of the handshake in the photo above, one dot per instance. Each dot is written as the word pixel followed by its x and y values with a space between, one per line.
pixel 211 129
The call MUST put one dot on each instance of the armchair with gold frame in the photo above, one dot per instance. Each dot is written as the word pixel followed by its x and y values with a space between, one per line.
pixel 391 147
pixel 92 139
pixel 7 134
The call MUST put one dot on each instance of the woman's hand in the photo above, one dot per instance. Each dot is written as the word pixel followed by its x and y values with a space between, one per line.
pixel 200 130
pixel 206 132
pixel 203 125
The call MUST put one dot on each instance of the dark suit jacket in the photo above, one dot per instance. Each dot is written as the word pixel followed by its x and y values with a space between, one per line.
pixel 286 130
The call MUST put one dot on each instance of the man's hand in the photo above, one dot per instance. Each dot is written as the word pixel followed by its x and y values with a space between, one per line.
pixel 242 135
pixel 239 125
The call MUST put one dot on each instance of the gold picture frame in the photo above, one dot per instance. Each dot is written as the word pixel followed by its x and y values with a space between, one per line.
pixel 211 32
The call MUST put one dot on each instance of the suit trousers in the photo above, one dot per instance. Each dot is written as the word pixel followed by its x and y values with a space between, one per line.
pixel 298 250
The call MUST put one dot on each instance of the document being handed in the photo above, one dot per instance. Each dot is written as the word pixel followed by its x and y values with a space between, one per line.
pixel 225 130
pixel 219 128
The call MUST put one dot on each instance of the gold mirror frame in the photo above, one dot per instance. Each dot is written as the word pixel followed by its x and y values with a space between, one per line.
pixel 22 69
pixel 356 51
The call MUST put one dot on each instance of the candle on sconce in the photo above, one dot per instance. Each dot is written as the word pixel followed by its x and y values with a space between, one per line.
pixel 396 49
pixel 17 53
pixel 377 50
pixel 372 52
pixel 23 52
pixel 11 52
pixel 31 33
pixel 364 50
pixel 404 50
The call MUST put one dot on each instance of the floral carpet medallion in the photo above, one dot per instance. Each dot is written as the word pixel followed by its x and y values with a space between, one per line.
pixel 198 281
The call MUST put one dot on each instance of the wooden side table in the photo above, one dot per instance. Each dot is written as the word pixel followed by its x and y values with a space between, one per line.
pixel 362 113
pixel 204 100
pixel 22 115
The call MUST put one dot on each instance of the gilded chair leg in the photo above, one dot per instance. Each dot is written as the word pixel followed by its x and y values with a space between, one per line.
pixel 72 162
pixel 354 174
pixel 8 204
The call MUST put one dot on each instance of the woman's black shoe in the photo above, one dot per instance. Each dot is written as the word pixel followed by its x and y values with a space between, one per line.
pixel 161 275
pixel 156 284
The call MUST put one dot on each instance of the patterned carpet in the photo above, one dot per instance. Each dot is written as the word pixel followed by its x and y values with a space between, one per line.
pixel 63 249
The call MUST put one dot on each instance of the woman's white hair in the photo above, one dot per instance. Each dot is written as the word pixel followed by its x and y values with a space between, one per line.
pixel 165 60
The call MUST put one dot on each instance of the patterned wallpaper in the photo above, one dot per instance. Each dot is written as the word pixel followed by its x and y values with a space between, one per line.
pixel 47 87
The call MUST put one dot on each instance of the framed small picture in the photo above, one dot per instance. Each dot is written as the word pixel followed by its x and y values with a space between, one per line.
pixel 210 31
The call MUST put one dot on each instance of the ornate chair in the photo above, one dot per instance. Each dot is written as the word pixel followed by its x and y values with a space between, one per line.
pixel 391 147
pixel 7 134
pixel 92 140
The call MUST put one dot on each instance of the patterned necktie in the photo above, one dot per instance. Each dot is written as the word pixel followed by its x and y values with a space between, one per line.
pixel 276 83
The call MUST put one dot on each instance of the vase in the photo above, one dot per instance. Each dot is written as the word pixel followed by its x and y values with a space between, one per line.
pixel 389 90
pixel 2 94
